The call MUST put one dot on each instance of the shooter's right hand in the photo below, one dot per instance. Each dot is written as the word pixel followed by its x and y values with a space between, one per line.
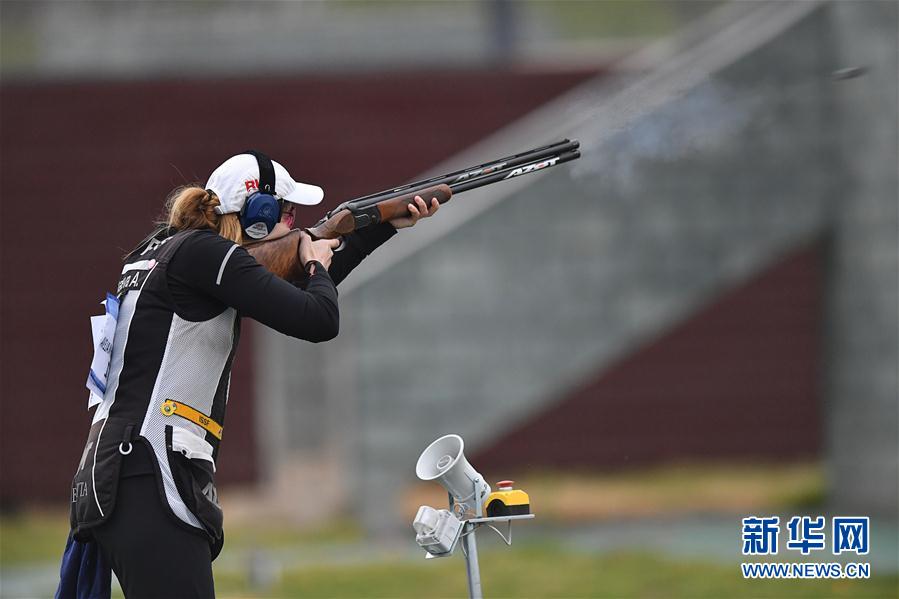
pixel 321 250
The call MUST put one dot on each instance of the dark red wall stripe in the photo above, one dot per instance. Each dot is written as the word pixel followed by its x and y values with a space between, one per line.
pixel 737 380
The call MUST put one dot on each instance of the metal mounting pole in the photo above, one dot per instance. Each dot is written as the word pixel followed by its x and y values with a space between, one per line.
pixel 466 533
pixel 470 545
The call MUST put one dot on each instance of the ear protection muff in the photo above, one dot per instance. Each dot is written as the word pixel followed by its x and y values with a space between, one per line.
pixel 262 210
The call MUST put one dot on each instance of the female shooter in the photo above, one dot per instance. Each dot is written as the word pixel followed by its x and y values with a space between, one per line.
pixel 144 491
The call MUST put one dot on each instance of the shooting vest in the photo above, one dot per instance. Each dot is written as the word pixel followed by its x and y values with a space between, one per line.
pixel 167 388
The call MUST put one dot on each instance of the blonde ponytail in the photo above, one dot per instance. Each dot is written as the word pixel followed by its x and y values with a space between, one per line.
pixel 192 207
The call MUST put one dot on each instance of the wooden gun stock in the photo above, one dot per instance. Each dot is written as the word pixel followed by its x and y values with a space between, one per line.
pixel 349 218
pixel 280 256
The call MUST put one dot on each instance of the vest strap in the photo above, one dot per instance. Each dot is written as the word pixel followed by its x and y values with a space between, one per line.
pixel 170 407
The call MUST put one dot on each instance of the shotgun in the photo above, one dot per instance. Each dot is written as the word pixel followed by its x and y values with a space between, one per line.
pixel 280 255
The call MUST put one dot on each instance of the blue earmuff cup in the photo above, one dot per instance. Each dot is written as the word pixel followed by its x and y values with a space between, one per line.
pixel 260 214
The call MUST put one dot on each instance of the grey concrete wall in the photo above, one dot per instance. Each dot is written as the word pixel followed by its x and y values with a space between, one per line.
pixel 863 319
pixel 474 331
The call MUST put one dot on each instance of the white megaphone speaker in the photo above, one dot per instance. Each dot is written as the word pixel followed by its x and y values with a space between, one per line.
pixel 445 462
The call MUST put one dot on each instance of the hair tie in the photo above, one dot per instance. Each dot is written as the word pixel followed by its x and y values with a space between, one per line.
pixel 211 200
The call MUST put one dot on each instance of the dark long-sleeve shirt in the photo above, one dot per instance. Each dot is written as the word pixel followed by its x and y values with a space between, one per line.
pixel 208 273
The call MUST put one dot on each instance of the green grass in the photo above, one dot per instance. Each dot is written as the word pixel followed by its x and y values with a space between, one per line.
pixel 34 537
pixel 528 569
pixel 41 536
pixel 272 536
pixel 571 19
pixel 589 19
pixel 18 48
pixel 524 570
pixel 545 572
pixel 669 491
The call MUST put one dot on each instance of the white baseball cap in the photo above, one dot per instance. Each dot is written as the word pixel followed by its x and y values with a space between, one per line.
pixel 238 177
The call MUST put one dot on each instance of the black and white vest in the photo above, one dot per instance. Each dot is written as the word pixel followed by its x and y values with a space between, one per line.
pixel 167 388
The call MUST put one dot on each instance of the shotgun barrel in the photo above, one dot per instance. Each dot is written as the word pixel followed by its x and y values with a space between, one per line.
pixel 377 208
pixel 281 255
pixel 515 171
pixel 472 172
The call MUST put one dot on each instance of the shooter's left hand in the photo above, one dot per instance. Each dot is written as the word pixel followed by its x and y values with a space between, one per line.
pixel 417 210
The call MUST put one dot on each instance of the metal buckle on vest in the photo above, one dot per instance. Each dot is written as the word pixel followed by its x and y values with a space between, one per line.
pixel 126 441
pixel 170 407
